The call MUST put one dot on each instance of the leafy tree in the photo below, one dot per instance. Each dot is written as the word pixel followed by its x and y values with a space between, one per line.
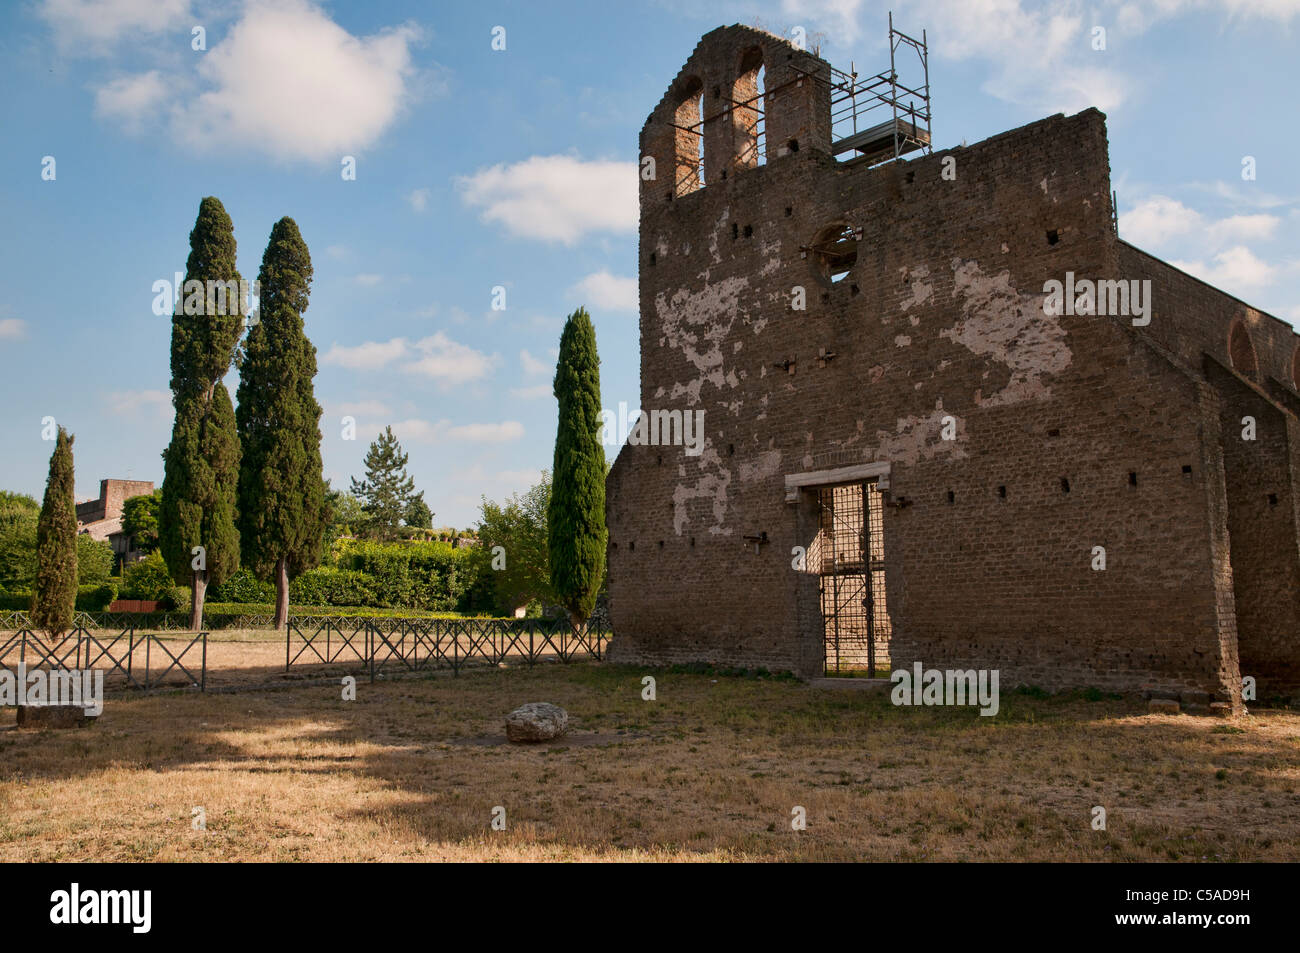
pixel 282 511
pixel 201 464
pixel 16 506
pixel 140 520
pixel 346 517
pixel 521 569
pixel 387 491
pixel 147 578
pixel 94 560
pixel 418 514
pixel 576 515
pixel 56 545
pixel 18 516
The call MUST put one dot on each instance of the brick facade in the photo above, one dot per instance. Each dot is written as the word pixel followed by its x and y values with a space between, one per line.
pixel 1071 431
pixel 102 517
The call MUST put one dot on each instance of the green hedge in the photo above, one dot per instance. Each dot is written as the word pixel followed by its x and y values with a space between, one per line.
pixel 424 575
pixel 349 612
pixel 89 599
pixel 96 598
pixel 243 586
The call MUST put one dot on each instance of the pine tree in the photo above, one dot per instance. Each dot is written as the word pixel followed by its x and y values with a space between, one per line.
pixel 55 601
pixel 387 491
pixel 281 492
pixel 576 514
pixel 196 522
pixel 418 515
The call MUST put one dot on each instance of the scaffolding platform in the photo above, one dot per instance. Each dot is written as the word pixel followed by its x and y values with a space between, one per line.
pixel 889 139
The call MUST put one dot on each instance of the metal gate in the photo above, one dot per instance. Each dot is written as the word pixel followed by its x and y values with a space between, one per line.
pixel 849 556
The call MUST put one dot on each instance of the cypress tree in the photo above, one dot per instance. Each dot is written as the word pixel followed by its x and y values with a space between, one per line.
pixel 55 601
pixel 576 532
pixel 282 510
pixel 201 464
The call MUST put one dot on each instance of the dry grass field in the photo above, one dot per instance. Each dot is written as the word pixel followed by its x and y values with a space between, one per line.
pixel 711 770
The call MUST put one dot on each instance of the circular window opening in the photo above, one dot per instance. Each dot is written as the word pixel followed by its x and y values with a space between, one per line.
pixel 835 251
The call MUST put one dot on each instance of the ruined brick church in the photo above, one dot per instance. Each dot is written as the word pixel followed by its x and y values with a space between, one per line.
pixel 911 453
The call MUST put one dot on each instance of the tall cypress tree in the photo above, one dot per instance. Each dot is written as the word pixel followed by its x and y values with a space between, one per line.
pixel 201 464
pixel 281 491
pixel 55 601
pixel 576 515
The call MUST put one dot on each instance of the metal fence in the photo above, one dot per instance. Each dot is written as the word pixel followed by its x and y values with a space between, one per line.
pixel 128 653
pixel 412 645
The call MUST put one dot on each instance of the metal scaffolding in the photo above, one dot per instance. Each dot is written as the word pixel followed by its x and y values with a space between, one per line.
pixel 900 127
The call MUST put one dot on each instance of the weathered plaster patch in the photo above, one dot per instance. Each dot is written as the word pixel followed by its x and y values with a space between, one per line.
pixel 773 252
pixel 711 486
pixel 922 291
pixel 766 464
pixel 714 251
pixel 902 340
pixel 1010 328
pixel 920 438
pixel 696 323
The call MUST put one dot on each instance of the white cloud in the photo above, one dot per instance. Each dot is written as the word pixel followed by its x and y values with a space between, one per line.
pixel 92 26
pixel 288 79
pixel 1161 223
pixel 607 292
pixel 368 280
pixel 532 366
pixel 338 251
pixel 1245 227
pixel 12 328
pixel 130 100
pixel 424 431
pixel 1236 270
pixel 449 362
pixel 137 401
pixel 1139 17
pixel 367 356
pixel 1160 219
pixel 556 198
pixel 437 357
pixel 419 199
pixel 1154 221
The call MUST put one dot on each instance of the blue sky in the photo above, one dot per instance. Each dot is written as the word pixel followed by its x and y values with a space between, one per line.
pixel 478 168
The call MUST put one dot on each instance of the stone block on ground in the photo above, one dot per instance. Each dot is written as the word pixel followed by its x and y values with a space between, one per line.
pixel 536 721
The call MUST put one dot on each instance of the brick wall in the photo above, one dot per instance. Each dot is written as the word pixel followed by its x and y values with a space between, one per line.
pixel 942 314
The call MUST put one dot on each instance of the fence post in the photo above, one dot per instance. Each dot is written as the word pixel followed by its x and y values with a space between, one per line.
pixel 455 651
pixel 287 630
pixel 203 678
pixel 147 646
pixel 370 640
